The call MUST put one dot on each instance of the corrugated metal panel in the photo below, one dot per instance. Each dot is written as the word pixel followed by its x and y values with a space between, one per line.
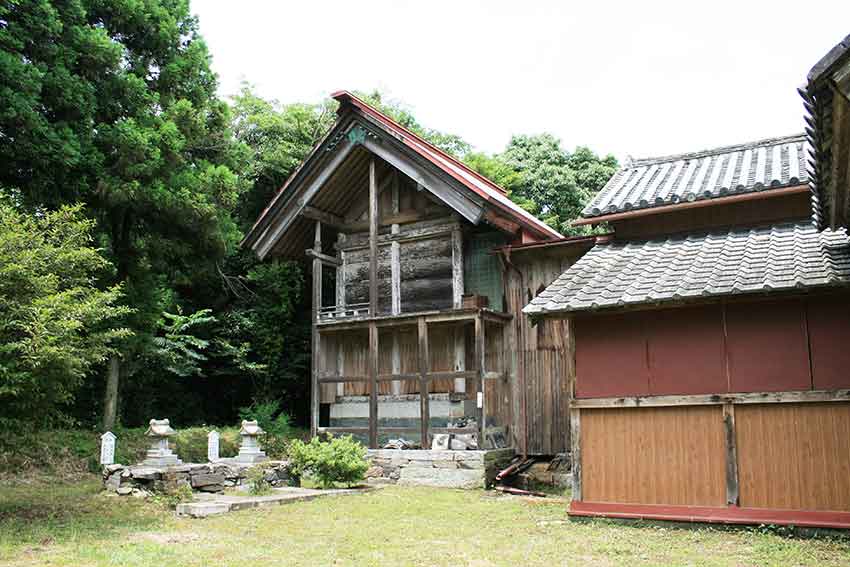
pixel 680 268
pixel 762 165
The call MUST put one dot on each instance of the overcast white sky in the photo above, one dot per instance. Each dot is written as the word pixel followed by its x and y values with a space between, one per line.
pixel 637 78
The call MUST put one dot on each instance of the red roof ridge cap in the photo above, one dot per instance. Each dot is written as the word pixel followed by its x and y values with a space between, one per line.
pixel 344 95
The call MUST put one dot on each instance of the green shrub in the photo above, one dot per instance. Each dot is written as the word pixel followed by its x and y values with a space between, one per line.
pixel 276 424
pixel 171 498
pixel 337 460
pixel 257 483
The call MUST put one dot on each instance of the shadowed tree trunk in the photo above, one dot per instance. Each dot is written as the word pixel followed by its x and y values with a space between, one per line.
pixel 110 400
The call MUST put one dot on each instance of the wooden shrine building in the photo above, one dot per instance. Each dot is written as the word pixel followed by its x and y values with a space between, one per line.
pixel 711 329
pixel 420 270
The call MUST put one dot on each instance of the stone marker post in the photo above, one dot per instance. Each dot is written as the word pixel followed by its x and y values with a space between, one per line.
pixel 107 448
pixel 212 446
pixel 249 450
pixel 159 455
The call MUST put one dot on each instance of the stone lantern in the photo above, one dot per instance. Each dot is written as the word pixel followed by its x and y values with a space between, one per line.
pixel 249 451
pixel 159 455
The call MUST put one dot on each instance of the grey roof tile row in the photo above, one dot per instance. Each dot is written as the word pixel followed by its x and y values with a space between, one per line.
pixel 766 164
pixel 681 268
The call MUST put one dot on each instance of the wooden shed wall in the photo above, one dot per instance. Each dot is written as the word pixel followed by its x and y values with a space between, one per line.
pixel 542 355
pixel 654 455
pixel 794 344
pixel 794 456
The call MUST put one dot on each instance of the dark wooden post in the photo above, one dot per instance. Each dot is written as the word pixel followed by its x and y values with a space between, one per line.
pixel 575 451
pixel 424 364
pixel 480 355
pixel 731 455
pixel 373 240
pixel 373 385
pixel 316 346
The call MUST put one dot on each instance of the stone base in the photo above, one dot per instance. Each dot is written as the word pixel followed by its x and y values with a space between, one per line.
pixel 141 480
pixel 447 469
pixel 250 458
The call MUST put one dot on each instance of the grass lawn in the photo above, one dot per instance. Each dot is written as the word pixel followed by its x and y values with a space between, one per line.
pixel 75 524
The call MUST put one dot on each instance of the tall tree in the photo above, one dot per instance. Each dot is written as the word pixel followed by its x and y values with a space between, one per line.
pixel 113 104
pixel 548 180
pixel 55 324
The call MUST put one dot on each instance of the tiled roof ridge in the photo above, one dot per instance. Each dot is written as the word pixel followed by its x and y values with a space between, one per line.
pixel 636 162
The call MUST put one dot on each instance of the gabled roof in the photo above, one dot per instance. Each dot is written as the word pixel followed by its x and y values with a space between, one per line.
pixel 826 98
pixel 454 167
pixel 361 129
pixel 698 266
pixel 757 166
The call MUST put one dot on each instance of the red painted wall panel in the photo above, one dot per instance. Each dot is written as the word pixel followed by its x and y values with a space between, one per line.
pixel 829 336
pixel 611 356
pixel 686 351
pixel 767 347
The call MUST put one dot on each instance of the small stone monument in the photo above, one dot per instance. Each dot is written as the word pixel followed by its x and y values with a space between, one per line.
pixel 107 448
pixel 249 451
pixel 159 455
pixel 212 446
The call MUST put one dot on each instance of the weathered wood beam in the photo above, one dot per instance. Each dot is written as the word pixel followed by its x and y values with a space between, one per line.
pixel 340 280
pixel 316 346
pixel 457 268
pixel 502 223
pixel 361 206
pixel 715 399
pixel 330 260
pixel 395 363
pixel 395 277
pixel 373 240
pixel 575 451
pixel 269 238
pixel 424 368
pixel 329 219
pixel 731 455
pixel 450 196
pixel 373 385
pixel 480 360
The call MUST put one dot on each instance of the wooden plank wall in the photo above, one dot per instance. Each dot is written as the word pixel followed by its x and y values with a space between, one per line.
pixel 544 362
pixel 672 455
pixel 794 456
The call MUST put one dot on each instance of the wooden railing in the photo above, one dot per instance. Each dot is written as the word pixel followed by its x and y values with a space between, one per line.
pixel 334 312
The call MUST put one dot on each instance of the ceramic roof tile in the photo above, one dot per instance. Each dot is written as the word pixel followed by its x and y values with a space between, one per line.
pixel 740 260
pixel 757 166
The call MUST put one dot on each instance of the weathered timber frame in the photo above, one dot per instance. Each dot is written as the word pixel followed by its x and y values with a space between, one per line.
pixel 424 376
pixel 728 403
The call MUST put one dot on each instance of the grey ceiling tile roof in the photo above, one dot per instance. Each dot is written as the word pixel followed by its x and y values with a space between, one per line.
pixel 679 268
pixel 757 166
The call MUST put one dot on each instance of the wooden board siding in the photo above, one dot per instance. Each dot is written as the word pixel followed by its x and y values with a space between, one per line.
pixel 686 351
pixel 827 321
pixel 759 346
pixel 794 456
pixel 611 356
pixel 541 356
pixel 426 274
pixel 653 456
pixel 767 347
pixel 775 209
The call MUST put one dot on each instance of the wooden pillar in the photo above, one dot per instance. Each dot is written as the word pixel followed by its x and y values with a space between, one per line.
pixel 316 338
pixel 373 240
pixel 457 268
pixel 424 365
pixel 480 356
pixel 396 363
pixel 340 275
pixel 373 385
pixel 731 455
pixel 395 275
pixel 575 451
